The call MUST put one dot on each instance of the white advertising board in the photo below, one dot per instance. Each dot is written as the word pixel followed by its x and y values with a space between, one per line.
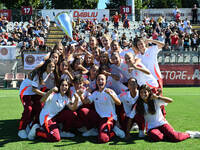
pixel 7 52
pixel 75 13
pixel 32 60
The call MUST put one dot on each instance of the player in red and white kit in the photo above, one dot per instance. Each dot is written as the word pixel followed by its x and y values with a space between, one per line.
pixel 53 113
pixel 158 129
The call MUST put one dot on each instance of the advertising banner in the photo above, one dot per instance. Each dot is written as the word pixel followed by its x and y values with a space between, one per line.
pixel 32 60
pixel 78 13
pixel 180 74
pixel 6 13
pixel 8 52
pixel 168 13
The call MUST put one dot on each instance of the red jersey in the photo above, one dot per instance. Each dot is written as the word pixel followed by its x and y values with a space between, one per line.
pixel 104 19
pixel 174 40
pixel 116 18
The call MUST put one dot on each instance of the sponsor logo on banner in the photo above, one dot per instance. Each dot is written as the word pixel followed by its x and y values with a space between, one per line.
pixel 4 51
pixel 7 52
pixel 84 14
pixel 30 59
pixel 33 60
pixel 78 13
pixel 180 74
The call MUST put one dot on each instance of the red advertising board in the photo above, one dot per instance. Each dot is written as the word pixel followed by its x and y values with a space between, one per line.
pixel 6 13
pixel 180 74
pixel 125 9
pixel 26 10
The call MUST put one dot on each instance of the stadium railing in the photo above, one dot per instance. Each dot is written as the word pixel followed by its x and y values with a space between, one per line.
pixel 179 57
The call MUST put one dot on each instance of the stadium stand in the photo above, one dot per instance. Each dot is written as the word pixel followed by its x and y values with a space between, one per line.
pixel 40 35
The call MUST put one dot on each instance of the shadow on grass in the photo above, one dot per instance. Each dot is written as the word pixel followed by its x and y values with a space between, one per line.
pixel 78 139
pixel 8 131
pixel 131 140
pixel 114 141
pixel 8 134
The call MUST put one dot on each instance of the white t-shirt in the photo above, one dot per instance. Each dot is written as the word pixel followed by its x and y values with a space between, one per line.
pixel 53 105
pixel 104 49
pixel 143 78
pixel 124 52
pixel 104 104
pixel 65 76
pixel 122 71
pixel 149 59
pixel 48 81
pixel 157 119
pixel 26 85
pixel 182 28
pixel 92 84
pixel 185 23
pixel 175 11
pixel 128 101
pixel 96 62
pixel 114 36
pixel 85 94
pixel 117 86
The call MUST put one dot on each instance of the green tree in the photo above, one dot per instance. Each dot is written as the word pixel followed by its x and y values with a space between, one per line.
pixel 113 4
pixel 10 4
pixel 75 4
pixel 140 5
pixel 185 3
pixel 165 4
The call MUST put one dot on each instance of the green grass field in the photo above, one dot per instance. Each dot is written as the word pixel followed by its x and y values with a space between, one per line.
pixel 183 114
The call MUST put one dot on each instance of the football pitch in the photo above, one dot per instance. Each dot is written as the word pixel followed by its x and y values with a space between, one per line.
pixel 183 114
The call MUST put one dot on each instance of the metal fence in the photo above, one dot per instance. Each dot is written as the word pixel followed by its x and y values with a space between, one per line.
pixel 179 57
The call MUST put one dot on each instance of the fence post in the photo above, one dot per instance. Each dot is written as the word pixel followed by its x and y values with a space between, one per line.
pixel 191 57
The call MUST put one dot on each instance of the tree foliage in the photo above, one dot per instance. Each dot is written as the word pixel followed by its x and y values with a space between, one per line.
pixel 166 4
pixel 142 4
pixel 115 4
pixel 10 4
pixel 58 4
pixel 190 4
pixel 75 4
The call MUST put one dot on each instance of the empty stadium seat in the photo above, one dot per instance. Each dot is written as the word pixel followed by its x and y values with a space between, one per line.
pixel 9 77
pixel 20 76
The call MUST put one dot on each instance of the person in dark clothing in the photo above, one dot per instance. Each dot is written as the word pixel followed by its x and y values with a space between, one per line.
pixel 195 14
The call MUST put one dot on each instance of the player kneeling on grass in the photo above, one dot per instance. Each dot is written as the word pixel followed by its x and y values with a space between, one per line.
pixel 27 97
pixel 53 113
pixel 129 99
pixel 159 129
pixel 104 119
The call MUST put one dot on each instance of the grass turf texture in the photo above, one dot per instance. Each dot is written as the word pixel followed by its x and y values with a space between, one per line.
pixel 183 114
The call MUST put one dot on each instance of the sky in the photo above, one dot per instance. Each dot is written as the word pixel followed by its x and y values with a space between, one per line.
pixel 101 4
